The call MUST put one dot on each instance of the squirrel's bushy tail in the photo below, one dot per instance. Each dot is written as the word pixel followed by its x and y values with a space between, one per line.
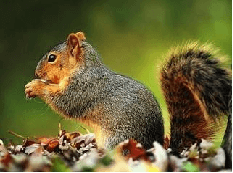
pixel 197 91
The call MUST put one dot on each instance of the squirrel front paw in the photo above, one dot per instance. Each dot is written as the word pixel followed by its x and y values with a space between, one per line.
pixel 34 88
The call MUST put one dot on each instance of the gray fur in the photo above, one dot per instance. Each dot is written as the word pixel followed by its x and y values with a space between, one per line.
pixel 129 108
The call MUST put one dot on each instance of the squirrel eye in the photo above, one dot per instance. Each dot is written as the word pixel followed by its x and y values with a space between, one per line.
pixel 52 58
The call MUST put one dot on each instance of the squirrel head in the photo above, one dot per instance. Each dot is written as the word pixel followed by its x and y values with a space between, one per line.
pixel 62 60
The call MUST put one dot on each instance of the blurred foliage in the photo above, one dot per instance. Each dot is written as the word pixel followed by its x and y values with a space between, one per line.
pixel 132 37
pixel 190 167
pixel 59 165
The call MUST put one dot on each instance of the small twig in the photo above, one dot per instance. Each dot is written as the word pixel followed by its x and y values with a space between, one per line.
pixel 15 134
pixel 59 127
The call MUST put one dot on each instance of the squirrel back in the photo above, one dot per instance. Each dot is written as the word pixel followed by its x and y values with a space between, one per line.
pixel 197 92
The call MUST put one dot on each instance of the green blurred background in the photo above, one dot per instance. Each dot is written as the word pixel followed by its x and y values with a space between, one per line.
pixel 131 36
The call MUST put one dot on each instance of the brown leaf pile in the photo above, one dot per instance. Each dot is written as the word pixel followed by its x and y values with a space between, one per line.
pixel 77 152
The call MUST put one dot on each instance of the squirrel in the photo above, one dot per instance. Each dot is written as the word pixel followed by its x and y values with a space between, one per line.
pixel 72 79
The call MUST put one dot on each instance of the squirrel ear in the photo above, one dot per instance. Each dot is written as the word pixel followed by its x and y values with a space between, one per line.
pixel 74 43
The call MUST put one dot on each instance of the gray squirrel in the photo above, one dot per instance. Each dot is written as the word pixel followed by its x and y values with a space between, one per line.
pixel 72 79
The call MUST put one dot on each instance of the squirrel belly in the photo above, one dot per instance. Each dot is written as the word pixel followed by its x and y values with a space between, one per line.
pixel 197 92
